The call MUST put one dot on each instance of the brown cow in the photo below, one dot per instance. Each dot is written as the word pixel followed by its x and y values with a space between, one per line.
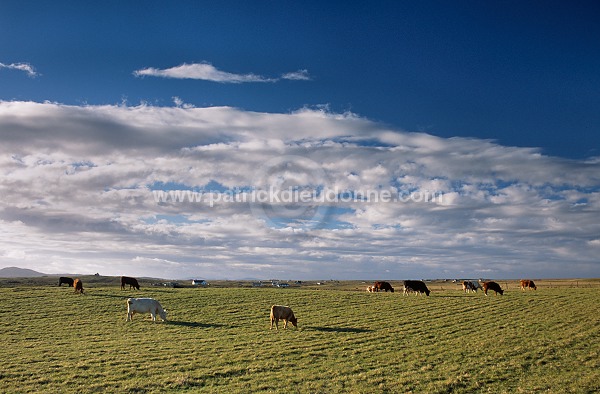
pixel 285 313
pixel 526 283
pixel 132 282
pixel 492 286
pixel 78 285
pixel 382 286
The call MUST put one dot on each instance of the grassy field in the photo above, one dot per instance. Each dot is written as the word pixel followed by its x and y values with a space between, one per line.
pixel 217 340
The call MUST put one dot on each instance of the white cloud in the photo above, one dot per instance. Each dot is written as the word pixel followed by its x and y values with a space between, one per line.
pixel 204 71
pixel 300 75
pixel 179 103
pixel 76 185
pixel 25 67
pixel 208 72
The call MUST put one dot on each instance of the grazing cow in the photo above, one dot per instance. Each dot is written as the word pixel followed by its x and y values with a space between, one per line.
pixel 78 285
pixel 526 283
pixel 417 286
pixel 467 286
pixel 285 313
pixel 492 286
pixel 470 286
pixel 145 305
pixel 65 280
pixel 132 282
pixel 382 286
pixel 370 289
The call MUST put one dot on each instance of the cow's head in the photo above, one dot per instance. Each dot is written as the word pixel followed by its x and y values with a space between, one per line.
pixel 294 321
pixel 163 315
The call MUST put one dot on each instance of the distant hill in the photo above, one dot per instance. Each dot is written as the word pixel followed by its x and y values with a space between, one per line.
pixel 16 272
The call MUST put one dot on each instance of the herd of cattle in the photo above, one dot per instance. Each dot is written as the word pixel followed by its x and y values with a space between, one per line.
pixel 134 305
pixel 419 287
pixel 285 313
pixel 78 285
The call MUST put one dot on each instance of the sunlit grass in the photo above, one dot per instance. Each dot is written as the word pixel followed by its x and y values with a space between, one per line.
pixel 218 340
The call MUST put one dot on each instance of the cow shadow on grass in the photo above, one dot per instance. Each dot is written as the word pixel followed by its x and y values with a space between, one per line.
pixel 193 324
pixel 457 295
pixel 338 329
pixel 123 297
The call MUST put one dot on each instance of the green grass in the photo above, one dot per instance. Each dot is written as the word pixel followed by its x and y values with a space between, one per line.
pixel 218 340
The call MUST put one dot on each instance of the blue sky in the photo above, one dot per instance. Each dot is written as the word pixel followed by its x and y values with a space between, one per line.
pixel 523 73
pixel 493 104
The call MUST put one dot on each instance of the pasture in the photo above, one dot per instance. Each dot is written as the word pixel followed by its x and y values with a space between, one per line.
pixel 218 340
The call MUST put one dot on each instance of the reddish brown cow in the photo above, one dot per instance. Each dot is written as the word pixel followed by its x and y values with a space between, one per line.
pixel 526 283
pixel 78 285
pixel 382 286
pixel 492 286
pixel 132 282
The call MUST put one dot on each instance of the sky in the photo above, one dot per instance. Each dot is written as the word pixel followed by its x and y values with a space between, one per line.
pixel 301 140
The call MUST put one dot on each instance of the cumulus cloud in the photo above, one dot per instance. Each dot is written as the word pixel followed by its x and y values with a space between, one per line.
pixel 208 72
pixel 25 67
pixel 80 192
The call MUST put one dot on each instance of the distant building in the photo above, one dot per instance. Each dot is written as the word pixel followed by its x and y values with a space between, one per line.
pixel 199 282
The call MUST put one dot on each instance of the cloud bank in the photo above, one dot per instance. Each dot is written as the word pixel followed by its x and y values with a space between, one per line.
pixel 79 184
pixel 208 72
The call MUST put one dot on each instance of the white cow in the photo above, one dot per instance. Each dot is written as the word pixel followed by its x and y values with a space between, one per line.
pixel 145 305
